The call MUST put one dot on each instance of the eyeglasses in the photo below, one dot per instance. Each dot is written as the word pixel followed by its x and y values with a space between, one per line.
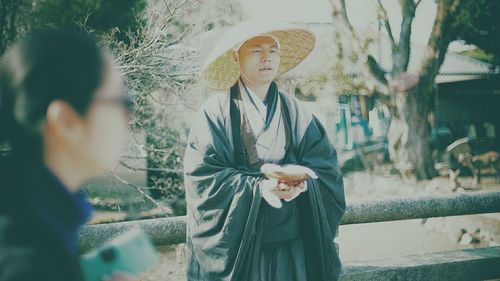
pixel 124 101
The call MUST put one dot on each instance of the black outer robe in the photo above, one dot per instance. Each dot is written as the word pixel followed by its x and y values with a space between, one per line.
pixel 224 227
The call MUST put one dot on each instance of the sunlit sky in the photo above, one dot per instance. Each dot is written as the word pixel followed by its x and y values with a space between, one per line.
pixel 362 13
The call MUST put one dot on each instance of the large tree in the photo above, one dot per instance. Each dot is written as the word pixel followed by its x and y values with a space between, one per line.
pixel 410 94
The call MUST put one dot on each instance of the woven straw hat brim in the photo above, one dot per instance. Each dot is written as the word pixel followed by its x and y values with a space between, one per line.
pixel 220 71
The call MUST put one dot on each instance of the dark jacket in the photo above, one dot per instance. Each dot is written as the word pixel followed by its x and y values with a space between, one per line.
pixel 39 222
pixel 224 220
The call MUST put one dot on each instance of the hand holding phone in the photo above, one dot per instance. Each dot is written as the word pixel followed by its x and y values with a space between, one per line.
pixel 129 253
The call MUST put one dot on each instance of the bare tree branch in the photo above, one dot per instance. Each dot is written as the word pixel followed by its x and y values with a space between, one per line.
pixel 141 191
pixel 441 35
pixel 340 12
pixel 387 25
pixel 401 55
pixel 177 171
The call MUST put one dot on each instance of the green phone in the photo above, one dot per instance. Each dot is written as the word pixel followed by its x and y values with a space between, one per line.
pixel 131 252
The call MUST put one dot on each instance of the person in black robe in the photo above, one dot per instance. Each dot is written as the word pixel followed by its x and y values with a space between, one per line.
pixel 234 232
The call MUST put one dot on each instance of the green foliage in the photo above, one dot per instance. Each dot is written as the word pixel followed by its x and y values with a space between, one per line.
pixel 163 146
pixel 479 24
pixel 100 16
pixel 10 13
pixel 479 55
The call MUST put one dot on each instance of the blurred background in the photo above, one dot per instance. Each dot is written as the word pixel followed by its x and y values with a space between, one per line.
pixel 408 90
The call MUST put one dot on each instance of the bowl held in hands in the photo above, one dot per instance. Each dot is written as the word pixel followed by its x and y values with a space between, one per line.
pixel 288 173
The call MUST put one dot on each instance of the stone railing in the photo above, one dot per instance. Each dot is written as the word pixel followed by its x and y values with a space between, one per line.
pixel 470 264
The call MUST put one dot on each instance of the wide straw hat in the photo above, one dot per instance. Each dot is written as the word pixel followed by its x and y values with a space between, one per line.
pixel 220 71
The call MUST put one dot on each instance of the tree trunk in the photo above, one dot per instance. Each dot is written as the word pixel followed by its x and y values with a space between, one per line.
pixel 415 103
pixel 414 107
pixel 412 104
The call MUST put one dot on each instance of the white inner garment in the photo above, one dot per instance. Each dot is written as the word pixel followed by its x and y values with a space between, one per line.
pixel 270 141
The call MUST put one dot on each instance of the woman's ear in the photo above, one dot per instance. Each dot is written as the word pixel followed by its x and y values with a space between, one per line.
pixel 63 121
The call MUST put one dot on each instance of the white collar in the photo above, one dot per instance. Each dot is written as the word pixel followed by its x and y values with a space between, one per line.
pixel 259 103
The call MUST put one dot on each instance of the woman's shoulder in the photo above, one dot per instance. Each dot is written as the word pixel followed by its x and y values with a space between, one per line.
pixel 27 254
pixel 22 229
pixel 27 240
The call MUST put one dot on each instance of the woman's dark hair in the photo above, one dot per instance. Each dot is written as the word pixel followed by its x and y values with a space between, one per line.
pixel 45 66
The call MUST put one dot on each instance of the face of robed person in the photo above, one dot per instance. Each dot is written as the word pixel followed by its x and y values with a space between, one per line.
pixel 259 60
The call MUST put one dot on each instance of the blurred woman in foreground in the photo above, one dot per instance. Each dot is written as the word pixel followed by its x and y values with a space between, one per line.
pixel 62 115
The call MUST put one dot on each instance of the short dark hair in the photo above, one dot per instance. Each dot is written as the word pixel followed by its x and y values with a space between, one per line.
pixel 44 66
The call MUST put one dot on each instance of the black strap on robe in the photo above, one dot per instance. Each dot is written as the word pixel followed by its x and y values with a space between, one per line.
pixel 247 136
